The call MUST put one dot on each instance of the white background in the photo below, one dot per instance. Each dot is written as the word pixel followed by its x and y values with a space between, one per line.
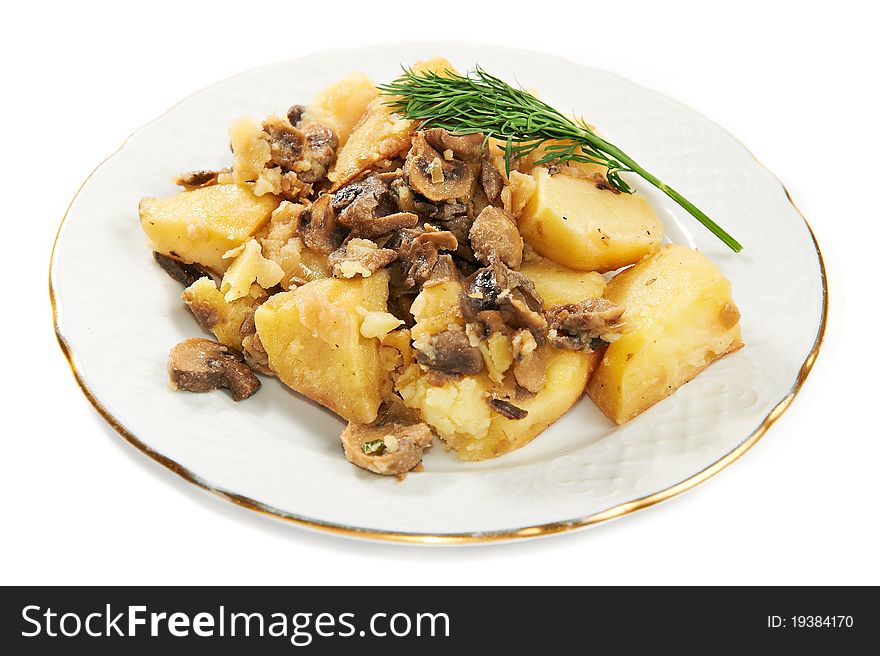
pixel 796 82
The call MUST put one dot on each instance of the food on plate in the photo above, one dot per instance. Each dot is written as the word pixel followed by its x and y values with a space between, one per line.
pixel 202 365
pixel 680 316
pixel 200 226
pixel 429 262
pixel 577 222
pixel 314 342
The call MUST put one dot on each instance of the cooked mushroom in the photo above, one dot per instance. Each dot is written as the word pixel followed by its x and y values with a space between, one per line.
pixel 509 292
pixel 506 409
pixel 182 272
pixel 294 114
pixel 465 147
pixel 368 208
pixel 449 352
pixel 603 184
pixel 370 191
pixel 318 226
pixel 359 257
pixel 286 143
pixel 494 235
pixel 434 176
pixel 529 369
pixel 490 179
pixel 305 153
pixel 408 201
pixel 319 153
pixel 573 326
pixel 202 365
pixel 392 445
pixel 198 179
pixel 255 355
pixel 418 252
pixel 457 219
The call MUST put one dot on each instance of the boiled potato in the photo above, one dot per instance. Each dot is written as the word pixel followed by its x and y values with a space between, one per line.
pixel 681 317
pixel 215 313
pixel 379 135
pixel 459 412
pixel 341 105
pixel 436 308
pixel 458 409
pixel 573 222
pixel 250 148
pixel 201 225
pixel 313 340
pixel 558 284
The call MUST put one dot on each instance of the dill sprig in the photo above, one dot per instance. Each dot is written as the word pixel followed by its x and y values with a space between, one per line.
pixel 481 102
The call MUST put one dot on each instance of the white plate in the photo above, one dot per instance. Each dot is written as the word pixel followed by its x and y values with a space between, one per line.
pixel 118 314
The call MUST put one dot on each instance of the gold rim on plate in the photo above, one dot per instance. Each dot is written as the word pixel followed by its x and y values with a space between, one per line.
pixel 539 530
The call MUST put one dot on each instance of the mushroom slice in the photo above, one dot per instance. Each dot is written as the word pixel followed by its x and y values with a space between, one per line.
pixel 457 218
pixel 528 367
pixel 182 272
pixel 512 294
pixel 368 208
pixel 449 352
pixel 490 179
pixel 198 179
pixel 418 251
pixel 202 365
pixel 286 143
pixel 319 153
pixel 436 177
pixel 318 226
pixel 494 235
pixel 392 445
pixel 407 201
pixel 294 114
pixel 465 147
pixel 359 257
pixel 574 326
pixel 506 409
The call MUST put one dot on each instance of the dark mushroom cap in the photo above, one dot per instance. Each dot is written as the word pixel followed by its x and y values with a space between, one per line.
pixel 435 177
pixel 202 365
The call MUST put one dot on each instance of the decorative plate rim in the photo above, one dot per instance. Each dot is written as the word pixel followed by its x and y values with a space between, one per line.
pixel 471 537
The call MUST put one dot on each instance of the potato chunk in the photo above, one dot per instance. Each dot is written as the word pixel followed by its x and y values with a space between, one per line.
pixel 460 413
pixel 558 284
pixel 379 135
pixel 681 317
pixel 201 225
pixel 341 105
pixel 227 320
pixel 572 221
pixel 313 339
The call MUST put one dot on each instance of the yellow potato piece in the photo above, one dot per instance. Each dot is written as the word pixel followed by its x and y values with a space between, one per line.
pixel 437 308
pixel 558 284
pixel 379 135
pixel 681 317
pixel 201 225
pixel 458 410
pixel 341 105
pixel 251 151
pixel 313 340
pixel 571 221
pixel 224 319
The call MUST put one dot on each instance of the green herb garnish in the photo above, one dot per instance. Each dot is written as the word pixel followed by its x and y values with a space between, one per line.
pixel 480 102
pixel 373 447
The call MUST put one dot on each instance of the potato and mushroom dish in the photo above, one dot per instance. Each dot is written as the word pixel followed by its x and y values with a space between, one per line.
pixel 422 281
